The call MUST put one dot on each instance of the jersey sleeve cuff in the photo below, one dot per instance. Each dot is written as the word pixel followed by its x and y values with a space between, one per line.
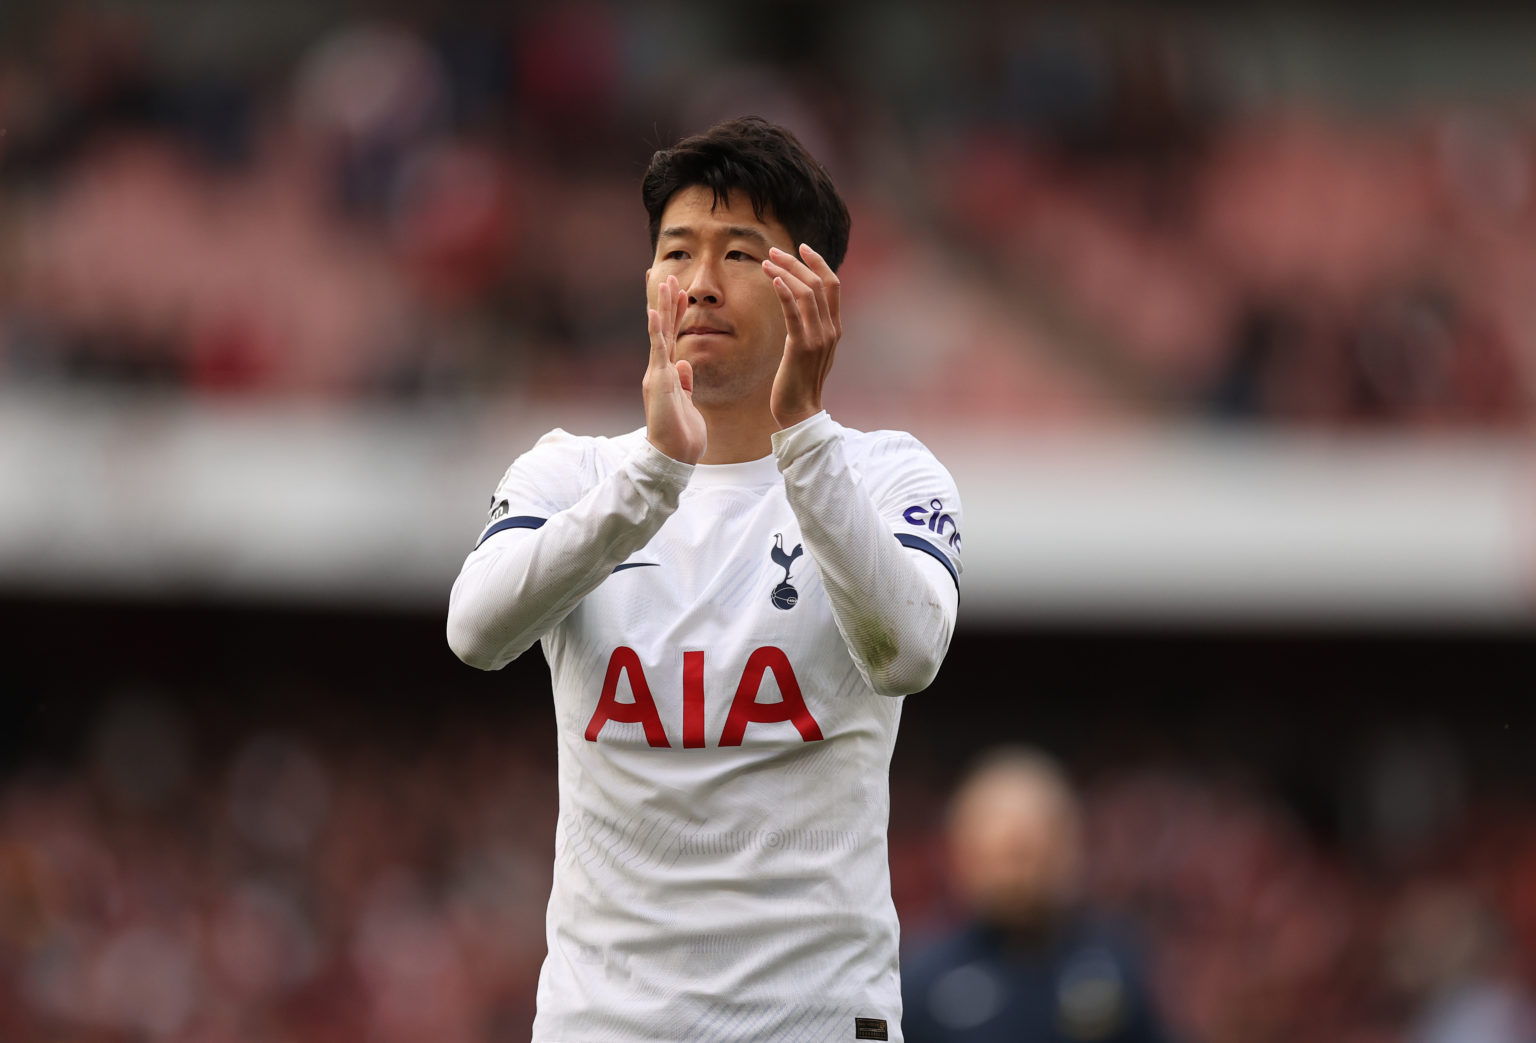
pixel 791 443
pixel 657 466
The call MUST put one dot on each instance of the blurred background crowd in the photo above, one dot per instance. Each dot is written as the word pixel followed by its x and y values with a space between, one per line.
pixel 253 824
pixel 329 881
pixel 250 825
pixel 1108 211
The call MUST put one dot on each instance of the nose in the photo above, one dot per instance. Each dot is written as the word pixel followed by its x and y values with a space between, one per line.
pixel 704 283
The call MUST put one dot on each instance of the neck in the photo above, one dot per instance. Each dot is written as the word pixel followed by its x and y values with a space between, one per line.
pixel 738 432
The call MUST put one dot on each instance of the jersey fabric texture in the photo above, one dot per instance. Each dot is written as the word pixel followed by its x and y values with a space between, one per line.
pixel 728 647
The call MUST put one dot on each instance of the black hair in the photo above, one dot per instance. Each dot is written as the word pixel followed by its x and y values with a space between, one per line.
pixel 763 160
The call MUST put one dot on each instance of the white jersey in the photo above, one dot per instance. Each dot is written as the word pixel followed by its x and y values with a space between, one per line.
pixel 724 749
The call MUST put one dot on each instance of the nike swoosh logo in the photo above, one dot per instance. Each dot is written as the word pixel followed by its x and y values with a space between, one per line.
pixel 635 565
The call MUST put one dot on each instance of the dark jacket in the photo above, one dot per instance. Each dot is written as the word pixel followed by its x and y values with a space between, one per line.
pixel 1077 980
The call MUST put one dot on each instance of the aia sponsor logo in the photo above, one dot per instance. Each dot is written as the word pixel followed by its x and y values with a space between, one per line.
pixel 933 518
pixel 745 707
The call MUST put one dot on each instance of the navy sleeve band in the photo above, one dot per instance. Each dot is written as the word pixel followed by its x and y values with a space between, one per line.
pixel 906 539
pixel 521 522
pixel 524 521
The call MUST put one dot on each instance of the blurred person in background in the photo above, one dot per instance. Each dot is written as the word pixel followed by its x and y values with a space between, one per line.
pixel 732 600
pixel 1032 962
pixel 1448 955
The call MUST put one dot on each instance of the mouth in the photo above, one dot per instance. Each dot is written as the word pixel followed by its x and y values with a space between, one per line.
pixel 702 331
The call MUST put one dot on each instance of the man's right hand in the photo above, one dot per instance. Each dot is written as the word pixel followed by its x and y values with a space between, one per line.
pixel 673 423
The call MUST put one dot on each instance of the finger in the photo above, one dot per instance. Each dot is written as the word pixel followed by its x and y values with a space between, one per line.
pixel 785 259
pixel 658 357
pixel 813 325
pixel 669 306
pixel 794 320
pixel 656 326
pixel 829 279
pixel 663 332
pixel 798 272
pixel 685 375
pixel 676 302
pixel 680 306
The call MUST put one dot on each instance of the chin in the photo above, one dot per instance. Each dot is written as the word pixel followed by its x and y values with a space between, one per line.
pixel 709 389
pixel 705 395
pixel 715 385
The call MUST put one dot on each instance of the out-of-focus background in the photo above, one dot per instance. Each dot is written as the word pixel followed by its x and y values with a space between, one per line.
pixel 1224 321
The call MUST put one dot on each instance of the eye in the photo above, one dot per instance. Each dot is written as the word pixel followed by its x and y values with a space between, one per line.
pixel 739 255
pixel 674 255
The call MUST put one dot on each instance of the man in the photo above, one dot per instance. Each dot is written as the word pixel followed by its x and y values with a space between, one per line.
pixel 1032 964
pixel 732 601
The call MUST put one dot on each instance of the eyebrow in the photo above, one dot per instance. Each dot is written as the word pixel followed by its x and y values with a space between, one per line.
pixel 732 232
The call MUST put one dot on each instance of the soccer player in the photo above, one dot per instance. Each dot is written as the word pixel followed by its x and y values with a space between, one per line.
pixel 733 601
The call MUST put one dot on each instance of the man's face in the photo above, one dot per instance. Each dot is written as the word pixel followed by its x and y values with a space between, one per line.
pixel 1013 849
pixel 732 331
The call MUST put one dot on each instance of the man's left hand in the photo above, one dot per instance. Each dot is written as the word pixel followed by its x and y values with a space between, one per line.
pixel 810 295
